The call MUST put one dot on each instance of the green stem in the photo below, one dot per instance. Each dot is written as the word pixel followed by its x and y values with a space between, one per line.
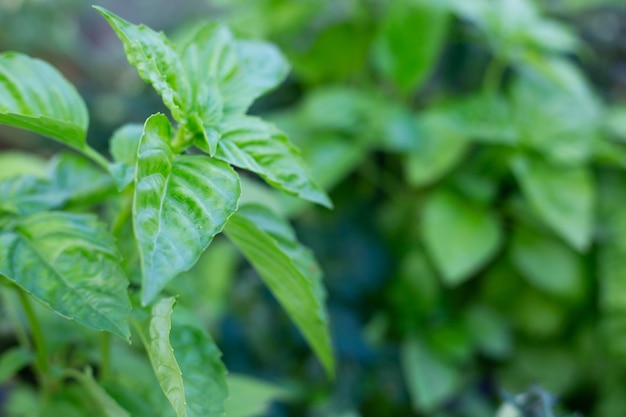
pixel 105 355
pixel 96 157
pixel 43 367
pixel 493 75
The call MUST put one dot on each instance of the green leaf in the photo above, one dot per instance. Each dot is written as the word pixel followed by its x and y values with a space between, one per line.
pixel 123 146
pixel 185 360
pixel 181 202
pixel 156 61
pixel 289 271
pixel 35 96
pixel 252 144
pixel 28 195
pixel 430 379
pixel 251 397
pixel 71 264
pixel 204 374
pixel 16 163
pixel 78 179
pixel 438 149
pixel 562 196
pixel 102 400
pixel 154 330
pixel 12 361
pixel 411 38
pixel 548 264
pixel 460 235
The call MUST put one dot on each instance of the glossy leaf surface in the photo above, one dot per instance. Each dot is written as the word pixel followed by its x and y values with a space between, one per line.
pixel 35 96
pixel 289 271
pixel 181 202
pixel 71 264
pixel 255 145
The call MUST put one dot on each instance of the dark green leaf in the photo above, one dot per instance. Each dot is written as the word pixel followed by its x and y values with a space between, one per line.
pixel 288 269
pixel 181 202
pixel 36 97
pixel 562 196
pixel 460 235
pixel 255 145
pixel 12 361
pixel 71 264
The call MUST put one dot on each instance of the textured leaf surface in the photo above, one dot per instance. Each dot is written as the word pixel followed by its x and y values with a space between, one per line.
pixel 103 401
pixel 78 179
pixel 70 263
pixel 35 96
pixel 204 374
pixel 154 330
pixel 252 144
pixel 156 61
pixel 460 235
pixel 181 202
pixel 563 197
pixel 28 195
pixel 411 38
pixel 288 269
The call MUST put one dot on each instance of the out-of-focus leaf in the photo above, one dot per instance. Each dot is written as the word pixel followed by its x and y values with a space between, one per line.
pixel 13 360
pixel 156 61
pixel 78 179
pixel 204 374
pixel 15 164
pixel 255 145
pixel 430 380
pixel 71 264
pixel 460 235
pixel 411 38
pixel 28 195
pixel 124 146
pixel 35 96
pixel 181 203
pixel 490 331
pixel 440 146
pixel 548 264
pixel 615 122
pixel 612 257
pixel 562 196
pixel 251 397
pixel 102 400
pixel 289 271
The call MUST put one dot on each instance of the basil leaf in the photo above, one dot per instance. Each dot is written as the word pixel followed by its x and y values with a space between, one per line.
pixel 252 144
pixel 70 263
pixel 123 146
pixel 289 271
pixel 181 202
pixel 102 399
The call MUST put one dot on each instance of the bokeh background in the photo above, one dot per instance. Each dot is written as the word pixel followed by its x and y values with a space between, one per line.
pixel 475 154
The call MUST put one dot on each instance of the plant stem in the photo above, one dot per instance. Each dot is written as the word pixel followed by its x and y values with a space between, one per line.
pixel 43 367
pixel 105 355
pixel 96 157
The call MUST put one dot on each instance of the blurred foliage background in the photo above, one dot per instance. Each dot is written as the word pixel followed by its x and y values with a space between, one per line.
pixel 475 152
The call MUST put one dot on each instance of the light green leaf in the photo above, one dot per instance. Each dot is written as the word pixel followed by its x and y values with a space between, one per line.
pixel 123 146
pixel 35 96
pixel 154 330
pixel 548 264
pixel 438 149
pixel 27 195
pixel 252 144
pixel 411 38
pixel 181 202
pixel 430 379
pixel 71 264
pixel 562 196
pixel 204 374
pixel 78 179
pixel 156 61
pixel 262 67
pixel 289 271
pixel 251 397
pixel 102 400
pixel 16 163
pixel 460 235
